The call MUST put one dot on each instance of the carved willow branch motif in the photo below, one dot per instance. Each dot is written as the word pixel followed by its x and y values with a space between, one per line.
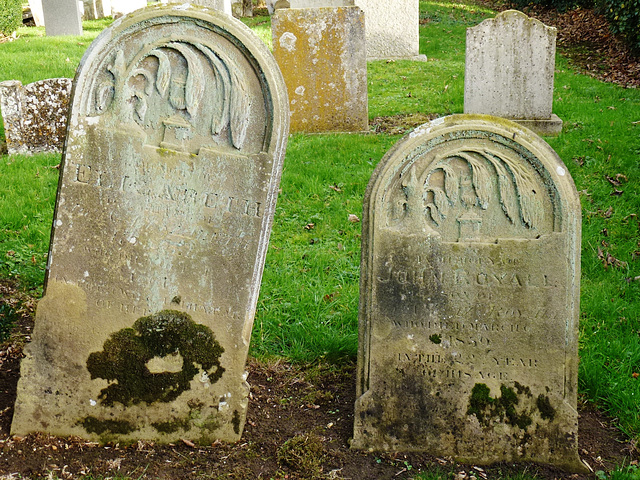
pixel 466 179
pixel 183 88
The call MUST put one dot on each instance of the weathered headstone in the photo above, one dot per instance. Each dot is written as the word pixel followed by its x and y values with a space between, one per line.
pixel 35 115
pixel 470 280
pixel 392 29
pixel 322 55
pixel 62 17
pixel 177 132
pixel 510 63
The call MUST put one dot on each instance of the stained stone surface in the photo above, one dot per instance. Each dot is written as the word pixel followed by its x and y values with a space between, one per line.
pixel 177 134
pixel 62 17
pixel 469 297
pixel 509 70
pixel 392 29
pixel 322 55
pixel 35 115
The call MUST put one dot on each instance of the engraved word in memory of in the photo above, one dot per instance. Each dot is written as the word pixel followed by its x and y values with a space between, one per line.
pixel 173 157
pixel 469 297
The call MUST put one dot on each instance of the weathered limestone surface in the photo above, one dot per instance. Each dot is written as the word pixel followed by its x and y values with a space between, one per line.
pixel 322 55
pixel 220 5
pixel 35 115
pixel 62 17
pixel 392 29
pixel 470 280
pixel 509 70
pixel 177 133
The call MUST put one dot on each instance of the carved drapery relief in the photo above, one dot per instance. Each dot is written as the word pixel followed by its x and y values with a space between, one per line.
pixel 167 89
pixel 478 193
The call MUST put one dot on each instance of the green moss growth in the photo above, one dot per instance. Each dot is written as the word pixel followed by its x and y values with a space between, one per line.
pixel 172 426
pixel 480 401
pixel 547 412
pixel 435 338
pixel 125 354
pixel 485 407
pixel 100 427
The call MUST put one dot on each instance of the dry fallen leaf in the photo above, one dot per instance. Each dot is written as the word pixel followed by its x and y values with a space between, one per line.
pixel 188 443
pixel 353 218
pixel 309 226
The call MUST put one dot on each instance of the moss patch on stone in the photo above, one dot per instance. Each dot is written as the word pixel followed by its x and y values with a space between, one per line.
pixel 125 354
pixel 100 427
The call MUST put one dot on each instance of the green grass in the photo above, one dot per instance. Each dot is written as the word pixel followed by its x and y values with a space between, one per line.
pixel 308 304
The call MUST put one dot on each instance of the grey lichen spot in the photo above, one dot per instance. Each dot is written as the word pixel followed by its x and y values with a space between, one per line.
pixel 125 356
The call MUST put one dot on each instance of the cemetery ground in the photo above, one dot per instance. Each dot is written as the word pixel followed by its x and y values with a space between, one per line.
pixel 305 333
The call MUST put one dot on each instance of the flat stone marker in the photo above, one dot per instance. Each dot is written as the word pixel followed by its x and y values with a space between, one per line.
pixel 392 29
pixel 62 17
pixel 322 55
pixel 35 115
pixel 469 297
pixel 509 70
pixel 173 158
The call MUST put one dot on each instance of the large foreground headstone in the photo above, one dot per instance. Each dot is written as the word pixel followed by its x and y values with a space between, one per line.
pixel 392 29
pixel 509 70
pixel 170 174
pixel 469 297
pixel 322 55
pixel 62 17
pixel 35 115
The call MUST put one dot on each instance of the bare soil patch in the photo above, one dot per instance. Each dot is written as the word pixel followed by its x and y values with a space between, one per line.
pixel 299 425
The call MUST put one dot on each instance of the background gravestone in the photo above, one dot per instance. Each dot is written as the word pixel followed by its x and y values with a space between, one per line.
pixel 35 115
pixel 171 168
pixel 509 68
pixel 322 55
pixel 470 281
pixel 62 17
pixel 392 29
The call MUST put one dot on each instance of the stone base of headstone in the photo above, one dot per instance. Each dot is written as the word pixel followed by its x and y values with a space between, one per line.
pixel 546 127
pixel 325 68
pixel 35 115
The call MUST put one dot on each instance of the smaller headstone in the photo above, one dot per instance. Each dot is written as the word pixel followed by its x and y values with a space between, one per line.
pixel 510 63
pixel 392 29
pixel 321 53
pixel 470 285
pixel 124 7
pixel 62 17
pixel 35 115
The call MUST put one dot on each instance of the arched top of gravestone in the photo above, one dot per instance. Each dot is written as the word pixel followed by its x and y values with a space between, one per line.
pixel 473 179
pixel 509 18
pixel 182 78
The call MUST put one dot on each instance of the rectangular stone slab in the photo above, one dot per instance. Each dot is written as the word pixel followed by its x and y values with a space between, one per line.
pixel 469 297
pixel 169 180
